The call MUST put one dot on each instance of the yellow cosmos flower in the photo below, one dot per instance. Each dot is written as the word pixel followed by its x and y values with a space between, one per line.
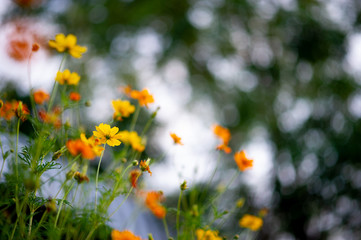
pixel 208 234
pixel 107 135
pixel 122 109
pixel 67 77
pixel 133 139
pixel 68 43
pixel 251 222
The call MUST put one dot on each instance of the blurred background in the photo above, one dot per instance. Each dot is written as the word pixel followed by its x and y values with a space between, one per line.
pixel 282 75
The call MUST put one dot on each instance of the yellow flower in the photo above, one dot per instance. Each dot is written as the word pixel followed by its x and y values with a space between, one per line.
pixel 122 109
pixel 107 135
pixel 242 161
pixel 208 234
pixel 67 43
pixel 133 139
pixel 66 77
pixel 176 139
pixel 251 222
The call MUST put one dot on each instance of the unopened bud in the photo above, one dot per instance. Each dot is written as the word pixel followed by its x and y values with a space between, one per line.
pixel 154 114
pixel 88 104
pixel 35 47
pixel 150 236
pixel 1 104
pixel 124 160
pixel 236 236
pixel 183 186
pixel 135 162
pixel 80 177
pixel 50 205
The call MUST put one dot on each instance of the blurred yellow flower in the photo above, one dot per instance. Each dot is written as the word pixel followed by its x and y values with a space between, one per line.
pixel 242 161
pixel 68 43
pixel 176 139
pixel 208 234
pixel 133 139
pixel 124 235
pixel 122 109
pixel 107 135
pixel 66 77
pixel 251 222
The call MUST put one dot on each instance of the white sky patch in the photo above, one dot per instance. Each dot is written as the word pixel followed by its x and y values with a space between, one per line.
pixel 201 18
pixel 353 60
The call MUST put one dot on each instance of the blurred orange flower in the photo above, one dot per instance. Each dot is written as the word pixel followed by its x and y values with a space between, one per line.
pixel 133 177
pixel 225 135
pixel 8 110
pixel 51 117
pixel 176 139
pixel 93 143
pixel 143 97
pixel 74 96
pixel 152 201
pixel 41 96
pixel 124 235
pixel 242 161
pixel 76 147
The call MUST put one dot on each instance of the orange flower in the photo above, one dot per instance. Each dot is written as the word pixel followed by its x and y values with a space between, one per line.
pixel 51 117
pixel 77 147
pixel 124 235
pixel 176 139
pixel 144 166
pixel 143 97
pixel 40 97
pixel 74 96
pixel 127 90
pixel 133 177
pixel 93 143
pixel 21 110
pixel 225 148
pixel 242 161
pixel 225 136
pixel 7 111
pixel 152 201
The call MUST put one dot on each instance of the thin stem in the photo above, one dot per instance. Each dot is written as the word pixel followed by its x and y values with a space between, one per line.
pixel 134 119
pixel 16 168
pixel 3 155
pixel 166 227
pixel 30 223
pixel 55 86
pixel 126 197
pixel 178 212
pixel 96 179
pixel 61 204
pixel 40 222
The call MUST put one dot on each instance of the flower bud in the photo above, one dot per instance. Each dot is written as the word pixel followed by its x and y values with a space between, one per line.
pixel 183 186
pixel 135 162
pixel 35 47
pixel 50 205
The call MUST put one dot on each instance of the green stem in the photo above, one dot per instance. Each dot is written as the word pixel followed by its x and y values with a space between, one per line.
pixel 166 227
pixel 16 168
pixel 40 222
pixel 126 197
pixel 178 212
pixel 2 153
pixel 134 119
pixel 55 86
pixel 61 204
pixel 96 179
